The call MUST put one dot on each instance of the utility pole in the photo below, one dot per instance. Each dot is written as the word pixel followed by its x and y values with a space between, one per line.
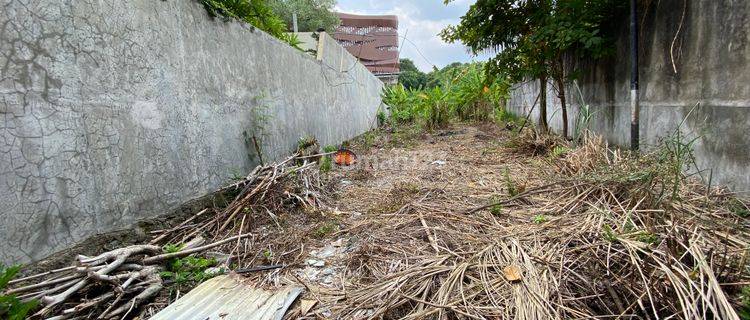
pixel 294 22
pixel 635 108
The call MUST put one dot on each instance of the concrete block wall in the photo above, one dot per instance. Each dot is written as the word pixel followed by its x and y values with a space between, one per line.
pixel 118 110
pixel 695 74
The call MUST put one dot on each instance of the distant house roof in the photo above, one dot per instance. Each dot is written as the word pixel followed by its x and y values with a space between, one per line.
pixel 356 20
pixel 372 39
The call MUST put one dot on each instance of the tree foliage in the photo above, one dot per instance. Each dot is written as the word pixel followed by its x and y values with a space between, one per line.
pixel 447 75
pixel 411 77
pixel 311 14
pixel 257 13
pixel 531 37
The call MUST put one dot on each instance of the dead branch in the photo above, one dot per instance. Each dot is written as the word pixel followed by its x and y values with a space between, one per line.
pixel 185 253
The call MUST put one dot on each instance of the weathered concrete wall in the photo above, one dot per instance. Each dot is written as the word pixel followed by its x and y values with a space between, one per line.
pixel 707 65
pixel 113 111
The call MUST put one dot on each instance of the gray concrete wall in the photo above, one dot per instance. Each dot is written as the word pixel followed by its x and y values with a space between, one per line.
pixel 707 65
pixel 118 110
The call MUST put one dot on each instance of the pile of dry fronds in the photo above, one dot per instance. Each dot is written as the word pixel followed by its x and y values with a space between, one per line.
pixel 115 283
pixel 606 236
pixel 265 192
pixel 533 142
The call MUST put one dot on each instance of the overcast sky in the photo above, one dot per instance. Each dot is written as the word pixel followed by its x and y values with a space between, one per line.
pixel 420 21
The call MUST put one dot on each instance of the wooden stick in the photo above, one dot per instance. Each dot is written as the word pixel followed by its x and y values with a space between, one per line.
pixel 317 155
pixel 433 242
pixel 184 253
pixel 165 234
pixel 42 274
pixel 529 192
pixel 44 284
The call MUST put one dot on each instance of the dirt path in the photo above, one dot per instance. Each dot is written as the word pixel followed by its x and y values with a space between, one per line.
pixel 401 190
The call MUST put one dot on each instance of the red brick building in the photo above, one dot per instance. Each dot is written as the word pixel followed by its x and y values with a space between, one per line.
pixel 373 40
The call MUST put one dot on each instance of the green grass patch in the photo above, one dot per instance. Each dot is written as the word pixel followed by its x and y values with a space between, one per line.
pixel 326 229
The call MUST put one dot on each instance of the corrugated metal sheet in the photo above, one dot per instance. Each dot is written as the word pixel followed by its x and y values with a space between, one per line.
pixel 226 297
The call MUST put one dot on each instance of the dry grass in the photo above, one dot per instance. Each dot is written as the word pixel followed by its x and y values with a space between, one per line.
pixel 472 223
pixel 594 233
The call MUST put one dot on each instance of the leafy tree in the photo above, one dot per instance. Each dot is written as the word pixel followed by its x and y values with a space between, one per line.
pixel 446 75
pixel 531 37
pixel 411 77
pixel 311 14
pixel 407 64
pixel 506 26
pixel 581 28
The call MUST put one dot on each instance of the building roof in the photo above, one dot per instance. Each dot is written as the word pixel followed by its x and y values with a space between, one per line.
pixel 373 39
pixel 356 20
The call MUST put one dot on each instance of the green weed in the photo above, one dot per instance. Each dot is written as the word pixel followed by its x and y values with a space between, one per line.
pixel 11 307
pixel 461 91
pixel 507 119
pixel 540 218
pixel 647 237
pixel 368 138
pixel 172 248
pixel 326 229
pixel 513 189
pixel 382 119
pixel 744 306
pixel 268 254
pixel 306 142
pixel 405 136
pixel 558 151
pixel 236 174
pixel 257 133
pixel 608 234
pixel 190 269
pixel 584 118
pixel 325 164
pixel 496 209
pixel 738 208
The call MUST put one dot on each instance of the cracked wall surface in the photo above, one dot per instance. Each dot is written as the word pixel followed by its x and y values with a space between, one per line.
pixel 114 111
pixel 694 57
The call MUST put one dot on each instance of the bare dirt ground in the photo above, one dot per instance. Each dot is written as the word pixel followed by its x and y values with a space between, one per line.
pixel 401 194
pixel 574 234
pixel 473 222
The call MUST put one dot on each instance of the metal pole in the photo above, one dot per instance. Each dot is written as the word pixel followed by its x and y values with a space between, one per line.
pixel 634 106
pixel 294 22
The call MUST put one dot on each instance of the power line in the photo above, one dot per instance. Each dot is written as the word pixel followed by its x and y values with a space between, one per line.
pixel 415 47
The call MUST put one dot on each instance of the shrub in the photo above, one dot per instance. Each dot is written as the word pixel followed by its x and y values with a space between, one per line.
pixel 460 90
pixel 434 108
pixel 257 13
pixel 402 103
pixel 470 94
